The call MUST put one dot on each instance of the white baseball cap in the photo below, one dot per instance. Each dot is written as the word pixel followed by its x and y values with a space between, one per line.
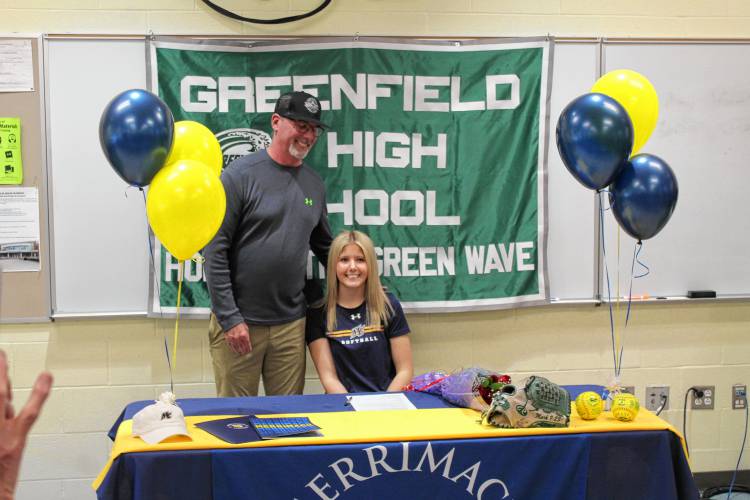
pixel 158 421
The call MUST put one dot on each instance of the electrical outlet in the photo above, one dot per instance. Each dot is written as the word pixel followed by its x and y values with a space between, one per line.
pixel 655 395
pixel 630 389
pixel 705 402
pixel 739 396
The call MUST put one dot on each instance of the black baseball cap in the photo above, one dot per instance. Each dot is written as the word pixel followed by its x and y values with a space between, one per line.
pixel 299 105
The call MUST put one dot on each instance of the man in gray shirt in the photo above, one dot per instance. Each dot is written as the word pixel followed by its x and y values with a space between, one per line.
pixel 256 263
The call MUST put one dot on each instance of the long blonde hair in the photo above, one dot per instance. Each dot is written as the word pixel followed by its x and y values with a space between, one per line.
pixel 379 308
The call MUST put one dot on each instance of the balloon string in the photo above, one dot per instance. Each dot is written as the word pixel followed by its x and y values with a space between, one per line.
pixel 152 260
pixel 639 245
pixel 157 280
pixel 169 364
pixel 636 249
pixel 618 315
pixel 180 270
pixel 606 274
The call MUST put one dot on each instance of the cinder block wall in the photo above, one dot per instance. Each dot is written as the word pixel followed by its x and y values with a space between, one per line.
pixel 100 365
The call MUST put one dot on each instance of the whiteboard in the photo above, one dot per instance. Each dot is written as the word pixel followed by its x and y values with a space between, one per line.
pixel 703 133
pixel 571 248
pixel 100 253
pixel 100 250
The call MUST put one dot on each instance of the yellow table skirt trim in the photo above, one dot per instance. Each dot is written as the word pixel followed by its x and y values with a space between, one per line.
pixel 377 427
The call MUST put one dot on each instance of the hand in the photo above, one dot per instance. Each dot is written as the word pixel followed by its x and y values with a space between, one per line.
pixel 15 428
pixel 238 338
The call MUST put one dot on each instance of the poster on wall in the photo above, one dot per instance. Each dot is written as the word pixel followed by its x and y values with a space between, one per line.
pixel 436 150
pixel 16 66
pixel 19 229
pixel 11 166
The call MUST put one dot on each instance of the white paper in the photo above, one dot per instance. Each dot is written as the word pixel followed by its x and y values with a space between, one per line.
pixel 376 402
pixel 16 66
pixel 19 229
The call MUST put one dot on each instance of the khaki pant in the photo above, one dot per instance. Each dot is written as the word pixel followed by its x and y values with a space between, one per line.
pixel 278 354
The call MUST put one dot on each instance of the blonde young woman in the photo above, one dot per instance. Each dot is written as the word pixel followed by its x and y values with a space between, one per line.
pixel 358 339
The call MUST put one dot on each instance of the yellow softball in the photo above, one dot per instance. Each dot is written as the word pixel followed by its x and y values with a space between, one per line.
pixel 589 405
pixel 625 407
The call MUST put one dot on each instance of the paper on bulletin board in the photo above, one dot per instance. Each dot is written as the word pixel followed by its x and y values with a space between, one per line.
pixel 16 66
pixel 19 229
pixel 11 167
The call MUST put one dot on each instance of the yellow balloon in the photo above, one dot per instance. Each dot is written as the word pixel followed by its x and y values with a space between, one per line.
pixel 636 94
pixel 185 207
pixel 194 141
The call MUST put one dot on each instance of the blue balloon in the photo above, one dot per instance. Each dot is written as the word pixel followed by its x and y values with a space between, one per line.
pixel 135 132
pixel 595 139
pixel 644 196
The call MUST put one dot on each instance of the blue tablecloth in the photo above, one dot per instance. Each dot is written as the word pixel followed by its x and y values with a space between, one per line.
pixel 616 465
pixel 314 403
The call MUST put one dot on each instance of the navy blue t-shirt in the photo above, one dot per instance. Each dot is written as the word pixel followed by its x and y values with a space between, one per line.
pixel 361 353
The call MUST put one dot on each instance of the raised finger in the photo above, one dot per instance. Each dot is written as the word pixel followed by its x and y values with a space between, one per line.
pixel 30 412
pixel 4 386
pixel 9 411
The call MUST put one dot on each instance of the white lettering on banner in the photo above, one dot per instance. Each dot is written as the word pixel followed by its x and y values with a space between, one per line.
pixel 420 93
pixel 269 89
pixel 448 459
pixel 389 208
pixel 320 489
pixel 357 98
pixel 386 149
pixel 379 86
pixel 329 488
pixel 236 88
pixel 308 84
pixel 206 100
pixel 429 261
pixel 425 98
pixel 349 473
pixel 472 476
pixel 456 104
pixel 493 82
pixel 408 261
pixel 193 271
pixel 483 259
pixel 381 461
pixel 408 93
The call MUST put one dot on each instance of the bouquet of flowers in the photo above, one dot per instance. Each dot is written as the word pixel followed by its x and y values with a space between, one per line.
pixel 429 382
pixel 473 387
pixel 469 388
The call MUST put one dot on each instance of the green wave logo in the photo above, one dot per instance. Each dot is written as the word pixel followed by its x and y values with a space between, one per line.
pixel 238 142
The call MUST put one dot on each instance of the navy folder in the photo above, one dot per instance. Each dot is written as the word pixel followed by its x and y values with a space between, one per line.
pixel 235 430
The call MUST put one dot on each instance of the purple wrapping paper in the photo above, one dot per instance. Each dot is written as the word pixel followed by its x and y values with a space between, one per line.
pixel 461 388
pixel 429 382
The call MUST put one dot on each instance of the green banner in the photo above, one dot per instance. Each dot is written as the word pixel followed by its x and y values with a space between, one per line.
pixel 436 150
